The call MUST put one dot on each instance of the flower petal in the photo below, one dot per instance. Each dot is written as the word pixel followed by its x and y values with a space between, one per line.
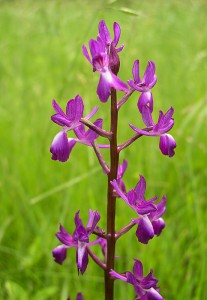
pixel 158 226
pixel 60 147
pixel 74 109
pixel 117 33
pixel 138 269
pixel 82 257
pixel 167 145
pixel 145 230
pixel 59 254
pixel 94 218
pixel 103 89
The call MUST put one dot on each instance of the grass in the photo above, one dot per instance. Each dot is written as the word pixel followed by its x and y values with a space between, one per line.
pixel 41 60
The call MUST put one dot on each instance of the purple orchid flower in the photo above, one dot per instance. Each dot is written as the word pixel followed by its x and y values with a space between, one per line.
pixel 74 112
pixel 79 240
pixel 149 222
pixel 62 146
pixel 145 287
pixel 145 84
pixel 100 61
pixel 164 124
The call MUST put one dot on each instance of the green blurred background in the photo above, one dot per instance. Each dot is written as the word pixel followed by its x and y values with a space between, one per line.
pixel 41 60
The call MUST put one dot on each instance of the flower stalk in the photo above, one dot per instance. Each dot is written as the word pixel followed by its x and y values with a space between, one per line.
pixel 111 199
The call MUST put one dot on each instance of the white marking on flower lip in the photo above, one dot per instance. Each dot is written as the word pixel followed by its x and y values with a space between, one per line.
pixel 107 76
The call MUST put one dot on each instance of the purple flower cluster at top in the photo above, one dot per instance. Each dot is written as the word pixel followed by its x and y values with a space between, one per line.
pixel 149 221
pixel 105 60
pixel 79 240
pixel 145 287
pixel 62 146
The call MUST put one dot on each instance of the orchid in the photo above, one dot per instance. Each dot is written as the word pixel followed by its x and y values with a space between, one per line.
pixel 145 84
pixel 79 240
pixel 145 287
pixel 62 146
pixel 104 63
pixel 164 124
pixel 74 112
pixel 149 221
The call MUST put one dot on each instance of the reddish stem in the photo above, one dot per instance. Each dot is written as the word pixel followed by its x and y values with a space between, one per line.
pixel 111 204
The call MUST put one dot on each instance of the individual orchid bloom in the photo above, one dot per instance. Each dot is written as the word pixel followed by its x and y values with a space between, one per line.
pixel 135 198
pixel 62 146
pixel 145 287
pixel 100 62
pixel 149 222
pixel 164 124
pixel 147 82
pixel 79 240
pixel 74 112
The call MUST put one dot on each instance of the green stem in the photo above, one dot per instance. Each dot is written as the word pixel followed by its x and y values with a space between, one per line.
pixel 111 204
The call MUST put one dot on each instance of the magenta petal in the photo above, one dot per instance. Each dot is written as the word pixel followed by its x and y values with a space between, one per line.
pixel 91 135
pixel 94 110
pixel 145 230
pixel 103 89
pixel 147 116
pixel 65 238
pixel 60 147
pixel 143 132
pixel 135 71
pixel 59 254
pixel 74 109
pixel 85 53
pixel 82 257
pixel 167 145
pixel 140 188
pixel 152 294
pixel 138 269
pixel 94 217
pixel 118 84
pixel 57 108
pixel 117 275
pixel 158 226
pixel 149 75
pixel 61 120
pixel 117 33
pixel 104 32
pixel 145 99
